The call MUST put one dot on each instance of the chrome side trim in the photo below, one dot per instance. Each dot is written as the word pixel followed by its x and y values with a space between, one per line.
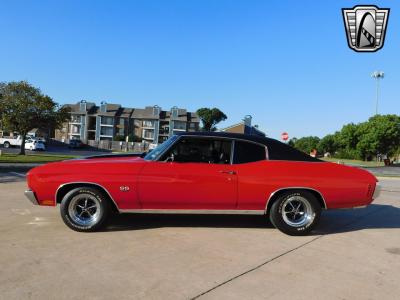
pixel 31 196
pixel 377 192
pixel 232 152
pixel 195 211
pixel 86 182
pixel 358 207
pixel 295 188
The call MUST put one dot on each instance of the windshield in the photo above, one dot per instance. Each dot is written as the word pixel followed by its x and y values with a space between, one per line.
pixel 154 154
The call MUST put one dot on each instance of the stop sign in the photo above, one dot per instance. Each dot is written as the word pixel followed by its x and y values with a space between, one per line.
pixel 285 136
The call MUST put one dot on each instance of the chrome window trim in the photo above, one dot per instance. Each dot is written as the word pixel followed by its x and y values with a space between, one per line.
pixel 295 188
pixel 85 182
pixel 266 153
pixel 232 152
pixel 195 211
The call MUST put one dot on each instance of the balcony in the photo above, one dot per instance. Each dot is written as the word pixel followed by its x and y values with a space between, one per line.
pixel 148 124
pixel 107 121
pixel 148 134
pixel 179 126
pixel 75 119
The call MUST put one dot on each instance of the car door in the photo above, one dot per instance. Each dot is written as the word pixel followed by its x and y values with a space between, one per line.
pixel 255 178
pixel 194 173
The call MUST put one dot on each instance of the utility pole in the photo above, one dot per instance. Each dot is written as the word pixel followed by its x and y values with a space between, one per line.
pixel 377 75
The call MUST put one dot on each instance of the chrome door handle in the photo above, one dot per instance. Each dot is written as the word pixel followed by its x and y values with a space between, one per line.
pixel 228 172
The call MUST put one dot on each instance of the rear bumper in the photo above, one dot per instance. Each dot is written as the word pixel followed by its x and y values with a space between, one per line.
pixel 377 191
pixel 31 196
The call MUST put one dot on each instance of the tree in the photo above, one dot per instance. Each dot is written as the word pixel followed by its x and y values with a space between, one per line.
pixel 307 143
pixel 134 138
pixel 292 142
pixel 210 117
pixel 328 144
pixel 23 107
pixel 380 135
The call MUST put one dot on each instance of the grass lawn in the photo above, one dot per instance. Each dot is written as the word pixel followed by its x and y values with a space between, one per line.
pixel 353 162
pixel 36 158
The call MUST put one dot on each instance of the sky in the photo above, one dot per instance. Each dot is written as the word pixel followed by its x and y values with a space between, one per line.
pixel 285 63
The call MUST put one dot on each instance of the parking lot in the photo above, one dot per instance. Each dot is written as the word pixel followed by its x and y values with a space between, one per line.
pixel 354 254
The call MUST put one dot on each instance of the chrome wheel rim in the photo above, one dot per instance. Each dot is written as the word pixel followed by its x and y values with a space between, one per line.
pixel 84 209
pixel 297 211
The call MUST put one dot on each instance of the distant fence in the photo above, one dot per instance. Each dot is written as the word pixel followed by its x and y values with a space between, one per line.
pixel 108 145
pixel 119 146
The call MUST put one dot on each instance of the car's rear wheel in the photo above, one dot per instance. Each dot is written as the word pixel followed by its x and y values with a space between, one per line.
pixel 295 212
pixel 85 209
pixel 6 145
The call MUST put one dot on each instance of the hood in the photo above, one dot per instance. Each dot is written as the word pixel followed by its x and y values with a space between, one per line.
pixel 92 164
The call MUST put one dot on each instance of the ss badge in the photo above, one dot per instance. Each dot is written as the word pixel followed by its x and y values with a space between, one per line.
pixel 124 188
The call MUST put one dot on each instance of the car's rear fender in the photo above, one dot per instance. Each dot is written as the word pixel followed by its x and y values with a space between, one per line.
pixel 275 195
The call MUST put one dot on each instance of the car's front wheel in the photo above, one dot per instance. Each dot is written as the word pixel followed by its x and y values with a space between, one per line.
pixel 295 212
pixel 85 209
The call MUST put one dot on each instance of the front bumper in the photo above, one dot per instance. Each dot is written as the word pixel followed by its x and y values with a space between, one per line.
pixel 377 191
pixel 31 196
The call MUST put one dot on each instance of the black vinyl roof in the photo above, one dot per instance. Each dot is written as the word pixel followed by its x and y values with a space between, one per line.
pixel 276 149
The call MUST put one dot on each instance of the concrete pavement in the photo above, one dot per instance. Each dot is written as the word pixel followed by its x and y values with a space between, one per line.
pixel 354 254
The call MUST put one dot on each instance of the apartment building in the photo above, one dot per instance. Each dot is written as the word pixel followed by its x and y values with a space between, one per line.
pixel 112 121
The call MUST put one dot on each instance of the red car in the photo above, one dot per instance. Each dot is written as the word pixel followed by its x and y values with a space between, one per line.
pixel 202 173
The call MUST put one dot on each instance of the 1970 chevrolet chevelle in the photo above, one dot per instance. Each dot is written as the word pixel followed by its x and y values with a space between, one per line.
pixel 202 173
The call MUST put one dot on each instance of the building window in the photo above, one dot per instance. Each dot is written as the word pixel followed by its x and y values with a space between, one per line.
pixel 75 129
pixel 148 134
pixel 75 118
pixel 192 126
pixel 164 130
pixel 179 125
pixel 148 123
pixel 107 120
pixel 106 131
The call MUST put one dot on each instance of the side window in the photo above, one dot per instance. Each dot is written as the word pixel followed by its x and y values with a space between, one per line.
pixel 200 150
pixel 246 152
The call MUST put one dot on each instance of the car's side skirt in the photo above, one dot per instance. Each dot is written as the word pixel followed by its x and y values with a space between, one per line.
pixel 194 211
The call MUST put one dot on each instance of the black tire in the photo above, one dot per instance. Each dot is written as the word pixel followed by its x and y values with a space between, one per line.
pixel 88 219
pixel 286 218
pixel 6 145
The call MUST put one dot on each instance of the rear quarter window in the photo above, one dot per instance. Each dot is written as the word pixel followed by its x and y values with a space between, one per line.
pixel 246 152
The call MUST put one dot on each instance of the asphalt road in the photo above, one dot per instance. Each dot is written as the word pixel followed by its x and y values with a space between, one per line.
pixel 354 254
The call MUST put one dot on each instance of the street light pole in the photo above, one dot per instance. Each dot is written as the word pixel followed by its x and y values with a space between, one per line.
pixel 377 75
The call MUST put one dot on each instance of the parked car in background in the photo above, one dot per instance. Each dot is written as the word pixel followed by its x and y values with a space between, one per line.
pixel 75 144
pixel 152 146
pixel 204 172
pixel 8 142
pixel 34 145
pixel 38 138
